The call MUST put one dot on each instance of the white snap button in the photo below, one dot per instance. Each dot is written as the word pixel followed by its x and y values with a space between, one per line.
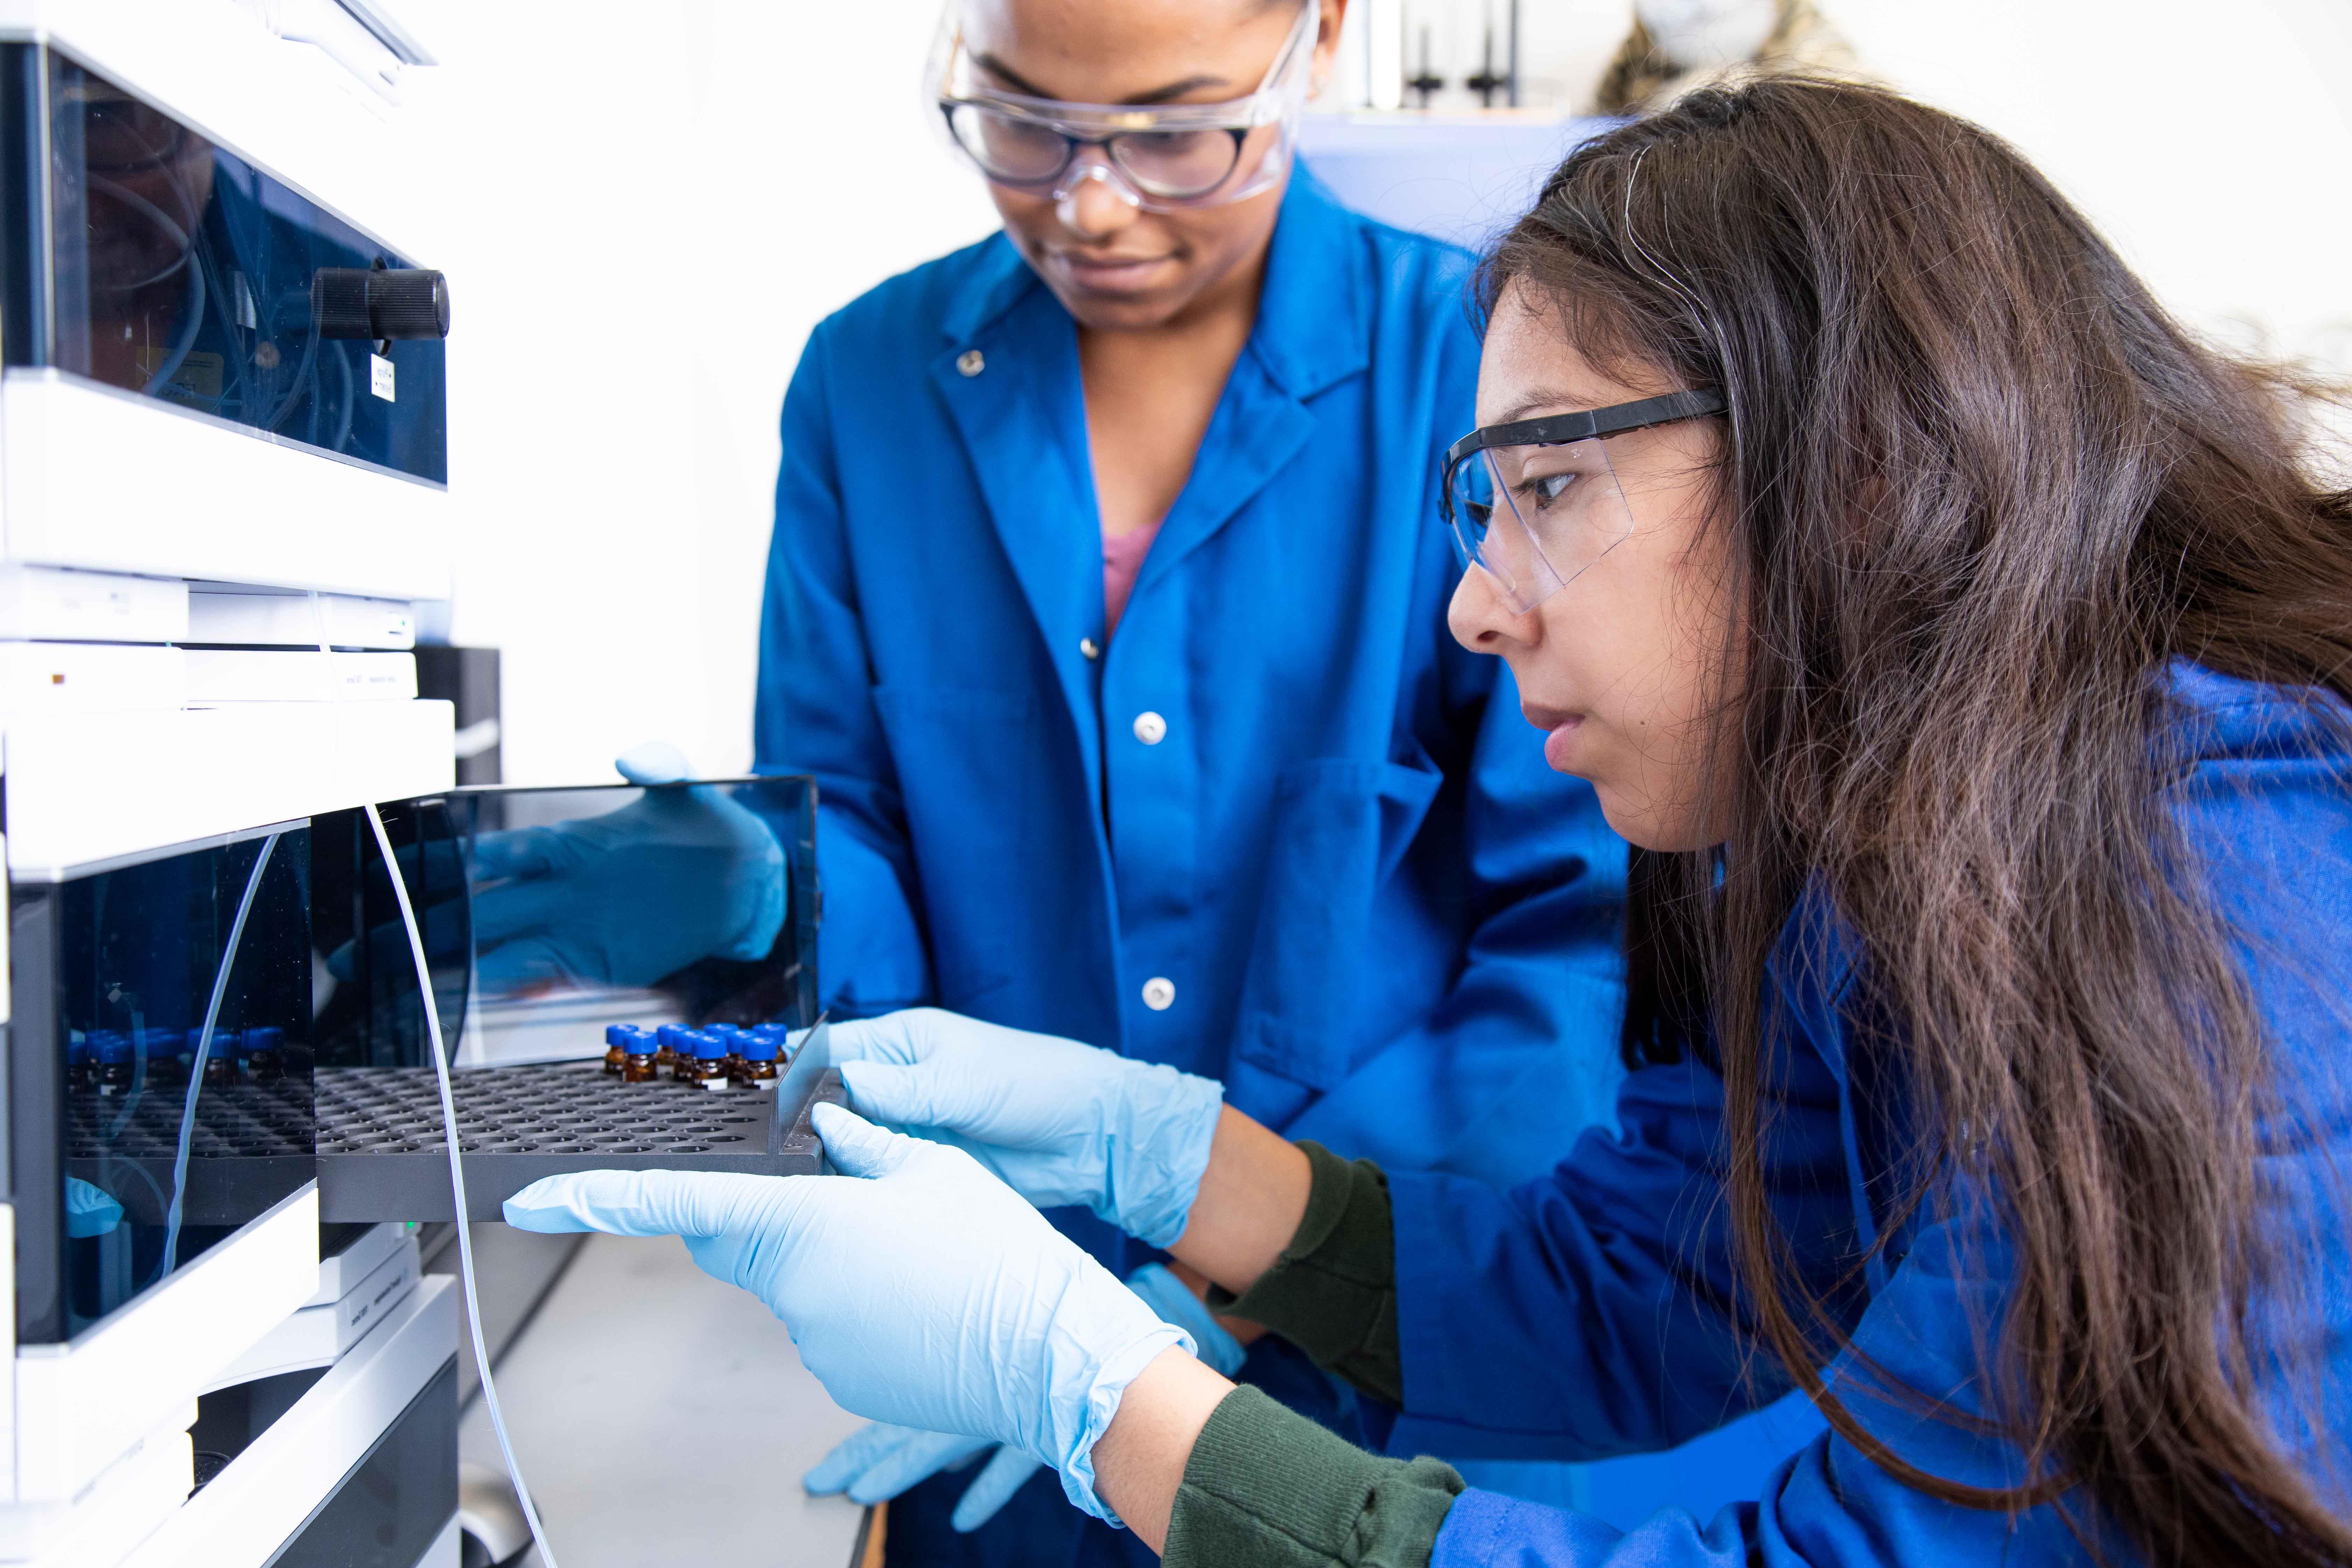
pixel 1158 994
pixel 1088 646
pixel 971 361
pixel 1150 728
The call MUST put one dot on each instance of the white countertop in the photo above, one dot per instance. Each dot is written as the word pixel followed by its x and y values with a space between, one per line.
pixel 661 1416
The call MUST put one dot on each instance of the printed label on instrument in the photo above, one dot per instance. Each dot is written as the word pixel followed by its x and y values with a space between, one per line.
pixel 380 376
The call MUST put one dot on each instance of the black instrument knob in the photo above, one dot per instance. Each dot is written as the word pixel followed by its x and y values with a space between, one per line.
pixel 380 302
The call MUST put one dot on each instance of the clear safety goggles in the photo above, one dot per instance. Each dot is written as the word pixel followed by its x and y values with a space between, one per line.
pixel 1535 503
pixel 1154 157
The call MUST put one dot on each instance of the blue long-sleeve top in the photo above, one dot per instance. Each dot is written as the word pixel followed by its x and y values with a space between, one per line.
pixel 1331 871
pixel 1586 1313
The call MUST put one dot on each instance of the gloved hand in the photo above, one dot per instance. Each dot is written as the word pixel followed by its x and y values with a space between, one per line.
pixel 920 1290
pixel 89 1210
pixel 624 899
pixel 1063 1122
pixel 879 1461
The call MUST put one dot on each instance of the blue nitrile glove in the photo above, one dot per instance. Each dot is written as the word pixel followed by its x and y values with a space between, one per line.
pixel 879 1461
pixel 624 899
pixel 1174 1301
pixel 920 1290
pixel 89 1210
pixel 1063 1122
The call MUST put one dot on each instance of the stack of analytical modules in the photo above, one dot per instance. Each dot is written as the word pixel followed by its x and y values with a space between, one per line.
pixel 222 500
pixel 223 491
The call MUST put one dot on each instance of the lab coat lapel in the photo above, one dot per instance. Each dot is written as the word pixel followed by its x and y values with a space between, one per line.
pixel 1020 408
pixel 1020 411
pixel 1257 427
pixel 1311 332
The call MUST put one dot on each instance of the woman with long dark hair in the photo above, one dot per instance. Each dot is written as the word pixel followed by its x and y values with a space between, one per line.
pixel 1969 651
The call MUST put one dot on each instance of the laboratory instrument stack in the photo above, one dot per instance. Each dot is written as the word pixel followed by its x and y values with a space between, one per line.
pixel 223 494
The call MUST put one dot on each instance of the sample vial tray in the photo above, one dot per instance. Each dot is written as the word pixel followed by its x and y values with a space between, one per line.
pixel 247 1142
pixel 381 1156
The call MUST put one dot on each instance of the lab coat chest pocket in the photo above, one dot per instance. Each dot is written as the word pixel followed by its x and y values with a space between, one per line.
pixel 965 759
pixel 1341 828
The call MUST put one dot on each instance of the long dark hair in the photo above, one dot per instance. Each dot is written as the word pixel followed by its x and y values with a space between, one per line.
pixel 1980 489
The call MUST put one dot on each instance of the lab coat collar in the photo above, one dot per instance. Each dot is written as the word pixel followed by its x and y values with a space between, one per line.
pixel 1311 334
pixel 999 280
pixel 1311 329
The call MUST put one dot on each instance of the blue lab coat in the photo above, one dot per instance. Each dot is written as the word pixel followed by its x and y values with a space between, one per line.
pixel 1387 924
pixel 1566 1317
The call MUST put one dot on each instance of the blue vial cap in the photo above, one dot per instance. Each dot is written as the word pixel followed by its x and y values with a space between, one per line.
pixel 165 1042
pixel 624 1035
pixel 756 1049
pixel 109 1047
pixel 224 1041
pixel 78 1050
pixel 673 1035
pixel 708 1046
pixel 263 1037
pixel 776 1032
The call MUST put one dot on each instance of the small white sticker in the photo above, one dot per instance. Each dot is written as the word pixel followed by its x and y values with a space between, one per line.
pixel 380 376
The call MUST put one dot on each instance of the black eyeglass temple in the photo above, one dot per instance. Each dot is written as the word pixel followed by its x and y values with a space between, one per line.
pixel 1562 429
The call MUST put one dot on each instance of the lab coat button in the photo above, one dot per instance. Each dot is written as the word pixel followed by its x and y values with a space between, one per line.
pixel 1090 648
pixel 971 361
pixel 1158 994
pixel 1150 728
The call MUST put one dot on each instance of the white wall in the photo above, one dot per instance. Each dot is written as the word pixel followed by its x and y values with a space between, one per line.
pixel 650 205
pixel 2211 139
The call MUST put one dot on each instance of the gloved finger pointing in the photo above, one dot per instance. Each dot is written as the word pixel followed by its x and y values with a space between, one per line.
pixel 857 1147
pixel 991 1489
pixel 634 1202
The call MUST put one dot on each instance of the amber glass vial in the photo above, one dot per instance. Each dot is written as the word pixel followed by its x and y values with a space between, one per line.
pixel 707 1066
pixel 220 1060
pixel 619 1041
pixel 757 1062
pixel 735 1039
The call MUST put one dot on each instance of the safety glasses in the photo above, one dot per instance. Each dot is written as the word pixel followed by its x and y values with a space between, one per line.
pixel 1536 502
pixel 1154 156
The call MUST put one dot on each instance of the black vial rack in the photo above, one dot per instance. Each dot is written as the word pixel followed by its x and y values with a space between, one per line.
pixel 249 1145
pixel 381 1156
